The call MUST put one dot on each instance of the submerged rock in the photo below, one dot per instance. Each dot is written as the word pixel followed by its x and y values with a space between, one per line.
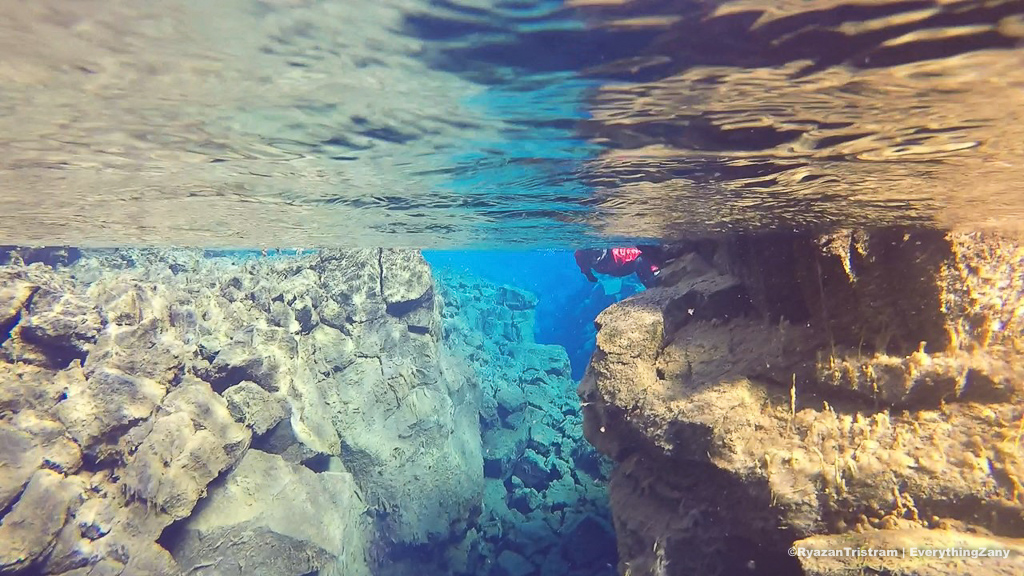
pixel 99 408
pixel 19 459
pixel 512 564
pixel 795 387
pixel 531 435
pixel 187 444
pixel 137 378
pixel 30 528
pixel 280 517
pixel 255 407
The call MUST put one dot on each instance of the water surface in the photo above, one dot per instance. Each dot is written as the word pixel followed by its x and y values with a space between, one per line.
pixel 438 124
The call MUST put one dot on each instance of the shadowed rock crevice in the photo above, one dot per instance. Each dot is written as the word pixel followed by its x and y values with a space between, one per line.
pixel 401 308
pixel 52 256
pixel 7 325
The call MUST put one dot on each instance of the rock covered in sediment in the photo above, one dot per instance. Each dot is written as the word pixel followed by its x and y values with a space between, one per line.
pixel 135 378
pixel 857 385
pixel 270 513
pixel 30 528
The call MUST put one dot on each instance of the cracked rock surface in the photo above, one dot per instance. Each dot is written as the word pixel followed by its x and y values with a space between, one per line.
pixel 793 389
pixel 162 412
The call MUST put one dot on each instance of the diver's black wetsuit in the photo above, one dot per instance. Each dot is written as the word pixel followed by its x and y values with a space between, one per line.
pixel 619 262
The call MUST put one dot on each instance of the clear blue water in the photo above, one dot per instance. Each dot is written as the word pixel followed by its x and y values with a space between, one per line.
pixel 567 303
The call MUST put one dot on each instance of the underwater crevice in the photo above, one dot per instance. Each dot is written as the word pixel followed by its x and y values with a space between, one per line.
pixel 400 309
pixel 59 355
pixel 173 533
pixel 7 327
pixel 380 272
pixel 14 501
pixel 318 463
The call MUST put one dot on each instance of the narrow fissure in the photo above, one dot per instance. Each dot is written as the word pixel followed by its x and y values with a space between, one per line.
pixel 7 327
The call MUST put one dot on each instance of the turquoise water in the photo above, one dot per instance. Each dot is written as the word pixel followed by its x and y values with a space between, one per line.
pixel 567 303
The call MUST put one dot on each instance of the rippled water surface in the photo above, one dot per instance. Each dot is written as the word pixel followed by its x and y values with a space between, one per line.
pixel 437 124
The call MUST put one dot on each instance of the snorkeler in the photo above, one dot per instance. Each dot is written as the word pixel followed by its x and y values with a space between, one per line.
pixel 620 262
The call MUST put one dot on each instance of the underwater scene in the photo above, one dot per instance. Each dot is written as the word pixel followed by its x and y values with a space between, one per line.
pixel 512 288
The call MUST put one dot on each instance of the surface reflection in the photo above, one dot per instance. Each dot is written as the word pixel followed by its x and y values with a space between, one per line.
pixel 754 114
pixel 438 124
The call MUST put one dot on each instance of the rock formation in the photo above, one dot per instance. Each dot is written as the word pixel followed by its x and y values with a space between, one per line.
pixel 306 404
pixel 545 508
pixel 857 389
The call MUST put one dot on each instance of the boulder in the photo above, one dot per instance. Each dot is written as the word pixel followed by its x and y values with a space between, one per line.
pixel 502 447
pixel 189 443
pixel 63 325
pixel 516 299
pixel 108 402
pixel 513 564
pixel 405 280
pixel 30 528
pixel 281 517
pixel 533 470
pixel 253 406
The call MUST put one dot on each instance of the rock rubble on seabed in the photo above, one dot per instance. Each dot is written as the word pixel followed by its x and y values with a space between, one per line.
pixel 545 507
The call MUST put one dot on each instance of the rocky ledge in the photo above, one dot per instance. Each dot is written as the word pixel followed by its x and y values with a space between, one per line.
pixel 339 413
pixel 860 389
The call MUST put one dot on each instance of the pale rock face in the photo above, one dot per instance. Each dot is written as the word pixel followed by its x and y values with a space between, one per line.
pixel 270 513
pixel 843 388
pixel 35 519
pixel 19 459
pixel 320 380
